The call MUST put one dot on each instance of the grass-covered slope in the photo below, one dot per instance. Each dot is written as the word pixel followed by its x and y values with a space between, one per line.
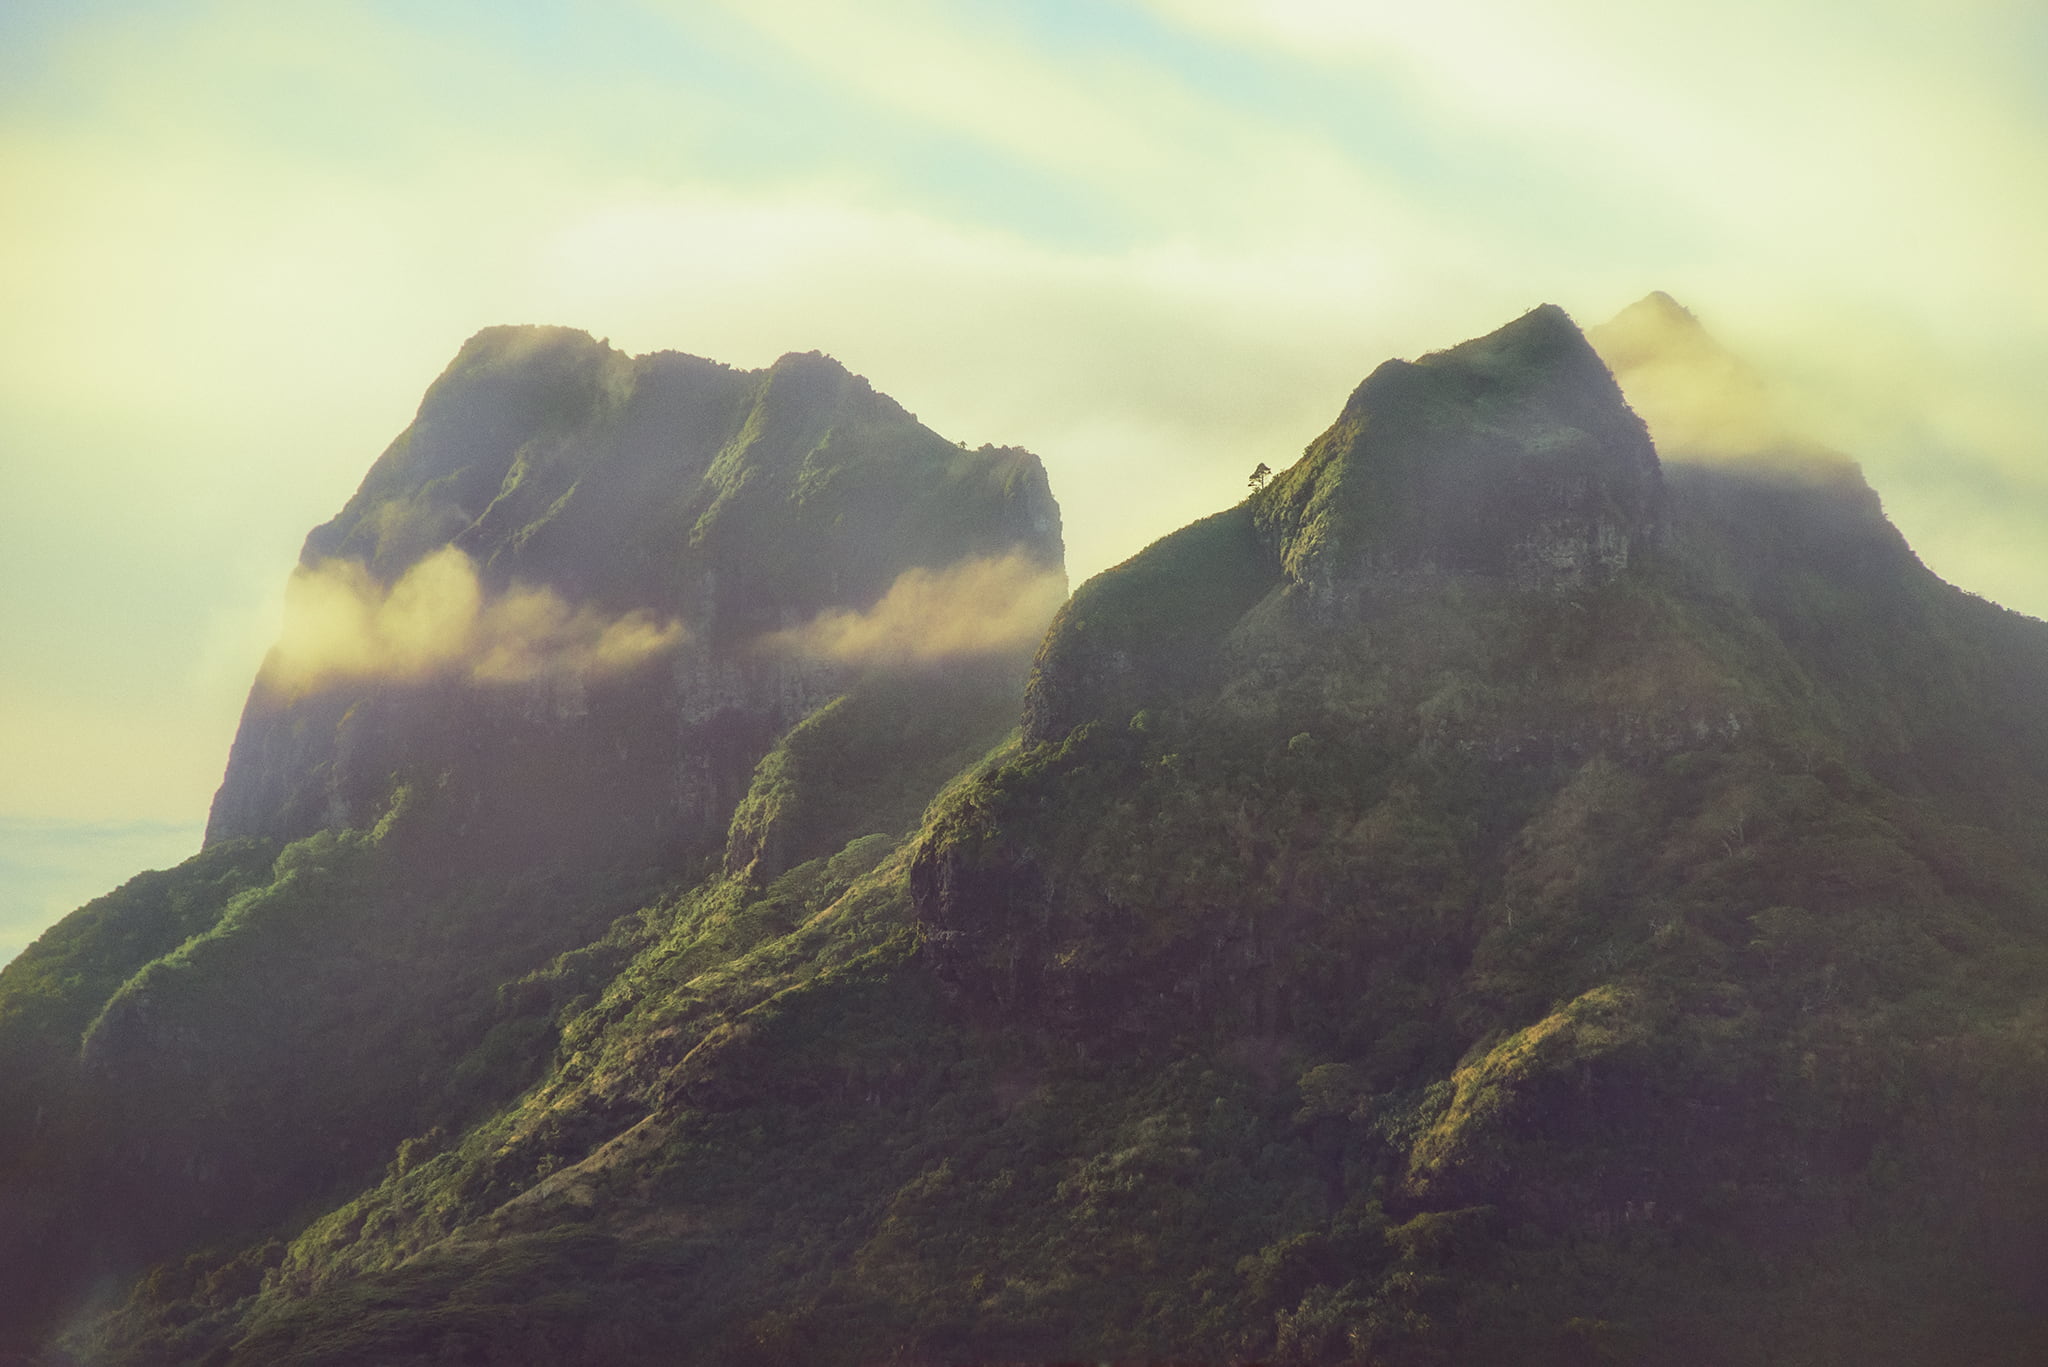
pixel 49 995
pixel 1304 1049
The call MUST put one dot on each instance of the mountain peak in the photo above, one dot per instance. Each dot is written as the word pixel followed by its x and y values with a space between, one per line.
pixel 1512 455
pixel 808 360
pixel 1442 968
pixel 552 485
pixel 501 338
pixel 1657 304
pixel 1543 337
pixel 1658 330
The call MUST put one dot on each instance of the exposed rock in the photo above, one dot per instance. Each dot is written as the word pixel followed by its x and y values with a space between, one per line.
pixel 1511 460
pixel 1512 456
pixel 665 489
pixel 1446 929
pixel 528 674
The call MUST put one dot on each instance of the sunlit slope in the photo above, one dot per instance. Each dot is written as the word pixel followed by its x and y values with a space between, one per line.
pixel 526 679
pixel 1493 896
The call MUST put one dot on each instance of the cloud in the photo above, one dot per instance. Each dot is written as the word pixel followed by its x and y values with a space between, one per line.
pixel 1143 142
pixel 1701 402
pixel 1954 463
pixel 988 607
pixel 437 621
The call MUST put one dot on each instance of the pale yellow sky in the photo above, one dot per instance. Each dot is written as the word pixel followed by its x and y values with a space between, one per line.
pixel 1157 241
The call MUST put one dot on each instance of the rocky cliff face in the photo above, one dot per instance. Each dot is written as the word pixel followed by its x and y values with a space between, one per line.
pixel 1512 456
pixel 1508 464
pixel 636 531
pixel 584 608
pixel 1372 949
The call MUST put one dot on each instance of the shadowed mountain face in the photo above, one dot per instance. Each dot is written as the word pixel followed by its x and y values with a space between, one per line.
pixel 526 679
pixel 1489 897
pixel 1511 456
pixel 556 596
pixel 1510 460
pixel 1498 859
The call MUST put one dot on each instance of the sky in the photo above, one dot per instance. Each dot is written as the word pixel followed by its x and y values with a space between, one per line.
pixel 1155 241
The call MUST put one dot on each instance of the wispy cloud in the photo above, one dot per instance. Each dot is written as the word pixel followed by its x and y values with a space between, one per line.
pixel 975 609
pixel 1701 402
pixel 437 620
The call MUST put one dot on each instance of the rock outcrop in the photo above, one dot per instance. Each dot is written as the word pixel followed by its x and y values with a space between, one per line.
pixel 1511 462
pixel 588 492
pixel 1512 456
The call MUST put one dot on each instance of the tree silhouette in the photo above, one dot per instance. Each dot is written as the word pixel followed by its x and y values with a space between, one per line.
pixel 1260 475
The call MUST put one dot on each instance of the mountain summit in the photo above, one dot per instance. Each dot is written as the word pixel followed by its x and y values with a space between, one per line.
pixel 592 624
pixel 1513 456
pixel 557 594
pixel 1510 462
pixel 1489 896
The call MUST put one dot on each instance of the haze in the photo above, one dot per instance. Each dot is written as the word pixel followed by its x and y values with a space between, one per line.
pixel 1155 241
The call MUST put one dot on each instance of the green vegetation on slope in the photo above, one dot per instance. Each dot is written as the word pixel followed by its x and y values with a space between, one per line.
pixel 1456 984
pixel 865 763
pixel 1471 966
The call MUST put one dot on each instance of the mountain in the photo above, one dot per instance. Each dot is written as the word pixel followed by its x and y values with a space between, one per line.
pixel 1495 894
pixel 661 504
pixel 593 625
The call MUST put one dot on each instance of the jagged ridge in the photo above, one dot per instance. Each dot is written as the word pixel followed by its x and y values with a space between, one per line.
pixel 406 844
pixel 1410 957
pixel 734 503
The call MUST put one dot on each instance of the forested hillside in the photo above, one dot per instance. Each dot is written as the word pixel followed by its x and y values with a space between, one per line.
pixel 1493 895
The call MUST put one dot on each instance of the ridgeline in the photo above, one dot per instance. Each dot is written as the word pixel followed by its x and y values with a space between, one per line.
pixel 1493 895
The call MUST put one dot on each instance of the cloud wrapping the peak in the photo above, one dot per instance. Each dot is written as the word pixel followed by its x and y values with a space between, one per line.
pixel 437 621
pixel 1701 402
